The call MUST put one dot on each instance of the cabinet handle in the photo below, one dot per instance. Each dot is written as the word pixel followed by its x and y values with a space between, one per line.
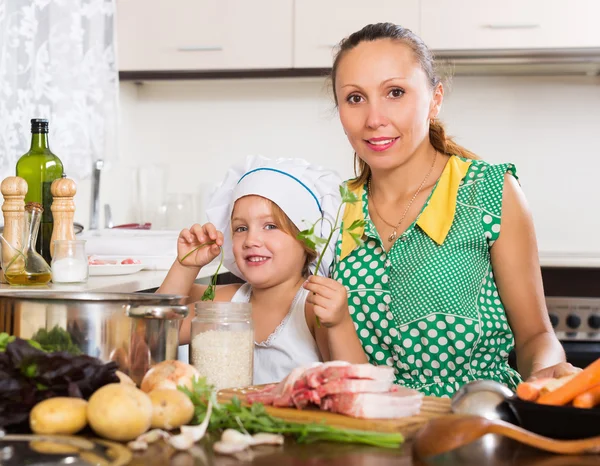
pixel 511 26
pixel 200 48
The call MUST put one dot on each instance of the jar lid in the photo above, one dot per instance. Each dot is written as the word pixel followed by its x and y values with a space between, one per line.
pixel 215 311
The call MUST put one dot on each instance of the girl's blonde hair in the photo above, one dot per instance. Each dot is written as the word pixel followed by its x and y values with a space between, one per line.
pixel 287 226
pixel 437 133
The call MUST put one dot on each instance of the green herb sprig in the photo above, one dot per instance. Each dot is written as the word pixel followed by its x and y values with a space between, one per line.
pixel 254 418
pixel 313 241
pixel 209 293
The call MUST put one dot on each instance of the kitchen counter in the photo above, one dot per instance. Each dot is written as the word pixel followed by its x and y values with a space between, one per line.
pixel 140 281
pixel 491 450
pixel 577 260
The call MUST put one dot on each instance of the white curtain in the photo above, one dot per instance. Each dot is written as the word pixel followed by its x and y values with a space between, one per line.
pixel 57 61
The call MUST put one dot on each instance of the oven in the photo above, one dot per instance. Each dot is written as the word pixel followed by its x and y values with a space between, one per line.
pixel 576 322
pixel 573 303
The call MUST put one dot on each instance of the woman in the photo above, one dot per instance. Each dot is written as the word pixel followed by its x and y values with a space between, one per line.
pixel 449 269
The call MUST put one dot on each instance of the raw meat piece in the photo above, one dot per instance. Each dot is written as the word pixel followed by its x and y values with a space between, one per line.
pixel 301 398
pixel 400 403
pixel 265 396
pixel 279 394
pixel 353 386
pixel 93 260
pixel 314 377
pixel 358 371
pixel 286 386
pixel 129 260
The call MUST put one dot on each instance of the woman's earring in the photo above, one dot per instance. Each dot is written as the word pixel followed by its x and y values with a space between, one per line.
pixel 432 121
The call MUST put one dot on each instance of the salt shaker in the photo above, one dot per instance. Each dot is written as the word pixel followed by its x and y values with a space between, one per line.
pixel 13 189
pixel 69 261
pixel 63 210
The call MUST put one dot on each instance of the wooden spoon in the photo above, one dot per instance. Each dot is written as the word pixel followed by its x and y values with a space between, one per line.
pixel 449 432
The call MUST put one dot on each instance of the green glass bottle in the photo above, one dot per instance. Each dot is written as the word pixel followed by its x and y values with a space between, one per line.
pixel 40 167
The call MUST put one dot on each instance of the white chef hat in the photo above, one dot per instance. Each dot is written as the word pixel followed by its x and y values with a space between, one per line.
pixel 304 192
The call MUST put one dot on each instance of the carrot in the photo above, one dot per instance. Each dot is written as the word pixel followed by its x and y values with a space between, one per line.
pixel 553 384
pixel 579 384
pixel 588 399
pixel 530 391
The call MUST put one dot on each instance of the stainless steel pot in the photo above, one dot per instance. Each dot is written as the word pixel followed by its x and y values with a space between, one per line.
pixel 136 330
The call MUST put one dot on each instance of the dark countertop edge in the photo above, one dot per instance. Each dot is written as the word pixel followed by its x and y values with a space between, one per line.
pixel 224 74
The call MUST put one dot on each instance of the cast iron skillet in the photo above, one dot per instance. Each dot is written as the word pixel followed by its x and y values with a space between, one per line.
pixel 558 422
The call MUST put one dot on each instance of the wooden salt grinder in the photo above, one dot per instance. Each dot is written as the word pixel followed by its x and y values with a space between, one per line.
pixel 14 190
pixel 63 210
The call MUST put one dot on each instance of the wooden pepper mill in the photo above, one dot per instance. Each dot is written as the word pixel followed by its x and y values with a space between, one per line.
pixel 63 210
pixel 13 189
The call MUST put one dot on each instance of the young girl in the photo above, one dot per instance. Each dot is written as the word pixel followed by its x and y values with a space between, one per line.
pixel 256 214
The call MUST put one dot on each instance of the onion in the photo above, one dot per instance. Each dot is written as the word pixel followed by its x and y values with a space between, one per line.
pixel 169 374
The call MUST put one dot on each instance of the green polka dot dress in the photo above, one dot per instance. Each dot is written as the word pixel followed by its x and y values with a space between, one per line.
pixel 432 311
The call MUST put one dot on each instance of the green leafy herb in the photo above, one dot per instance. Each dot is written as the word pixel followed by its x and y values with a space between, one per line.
pixel 5 339
pixel 57 339
pixel 313 241
pixel 209 293
pixel 254 418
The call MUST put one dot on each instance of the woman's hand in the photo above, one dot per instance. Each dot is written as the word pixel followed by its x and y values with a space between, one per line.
pixel 329 299
pixel 556 372
pixel 199 245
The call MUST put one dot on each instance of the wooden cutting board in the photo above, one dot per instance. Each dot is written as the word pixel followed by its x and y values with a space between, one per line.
pixel 432 407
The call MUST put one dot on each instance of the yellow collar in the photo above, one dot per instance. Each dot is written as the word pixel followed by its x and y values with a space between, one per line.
pixel 435 220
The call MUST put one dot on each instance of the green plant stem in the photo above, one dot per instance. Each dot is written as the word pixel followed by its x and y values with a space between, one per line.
pixel 209 243
pixel 209 293
pixel 337 216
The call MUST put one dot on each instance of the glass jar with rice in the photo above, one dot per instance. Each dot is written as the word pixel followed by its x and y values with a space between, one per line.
pixel 222 343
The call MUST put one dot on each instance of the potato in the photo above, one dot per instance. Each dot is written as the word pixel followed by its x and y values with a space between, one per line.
pixel 169 374
pixel 119 412
pixel 59 415
pixel 170 409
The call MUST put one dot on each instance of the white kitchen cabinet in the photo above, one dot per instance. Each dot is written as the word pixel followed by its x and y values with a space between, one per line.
pixel 204 34
pixel 510 24
pixel 321 24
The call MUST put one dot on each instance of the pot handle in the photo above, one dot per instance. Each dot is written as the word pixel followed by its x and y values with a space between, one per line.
pixel 169 312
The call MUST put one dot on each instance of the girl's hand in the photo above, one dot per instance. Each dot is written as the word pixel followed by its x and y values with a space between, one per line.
pixel 556 372
pixel 329 299
pixel 201 244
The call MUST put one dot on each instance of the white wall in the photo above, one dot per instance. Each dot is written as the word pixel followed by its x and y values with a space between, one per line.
pixel 550 127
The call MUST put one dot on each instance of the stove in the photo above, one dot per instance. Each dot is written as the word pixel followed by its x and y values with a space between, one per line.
pixel 575 319
pixel 576 322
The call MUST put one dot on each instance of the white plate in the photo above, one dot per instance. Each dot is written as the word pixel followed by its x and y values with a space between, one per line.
pixel 115 269
pixel 149 262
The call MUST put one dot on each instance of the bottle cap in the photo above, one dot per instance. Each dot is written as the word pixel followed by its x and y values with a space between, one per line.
pixel 39 125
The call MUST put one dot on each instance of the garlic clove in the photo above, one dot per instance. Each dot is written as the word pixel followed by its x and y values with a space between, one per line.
pixel 229 448
pixel 234 436
pixel 137 445
pixel 264 438
pixel 153 435
pixel 182 441
pixel 197 432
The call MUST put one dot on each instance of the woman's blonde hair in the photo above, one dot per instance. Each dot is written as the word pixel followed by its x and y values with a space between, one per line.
pixel 437 133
